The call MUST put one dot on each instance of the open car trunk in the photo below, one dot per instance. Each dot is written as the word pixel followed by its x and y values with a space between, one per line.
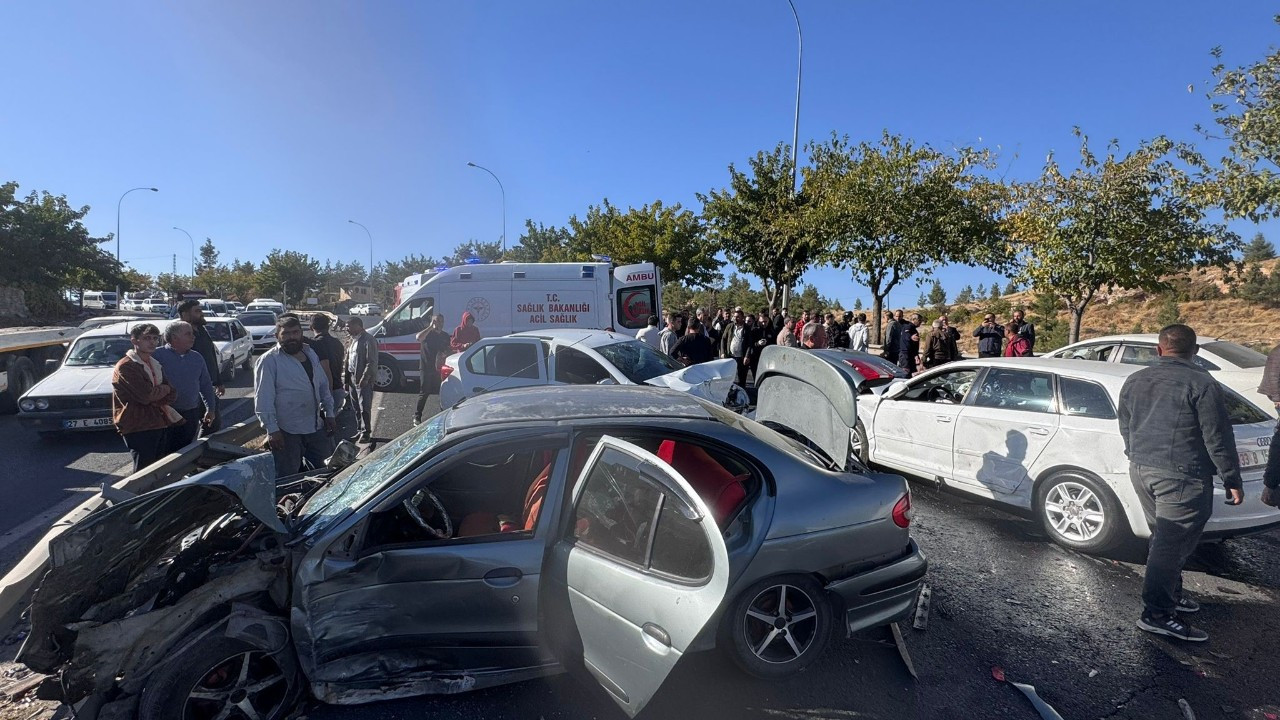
pixel 810 397
pixel 130 580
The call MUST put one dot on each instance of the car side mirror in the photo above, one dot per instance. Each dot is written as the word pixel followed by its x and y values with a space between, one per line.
pixel 51 364
pixel 896 389
pixel 342 456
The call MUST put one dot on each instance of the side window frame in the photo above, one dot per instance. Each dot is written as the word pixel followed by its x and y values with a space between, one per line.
pixel 976 391
pixel 1061 383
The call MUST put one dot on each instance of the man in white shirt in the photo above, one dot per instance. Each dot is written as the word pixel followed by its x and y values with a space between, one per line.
pixel 293 401
pixel 649 334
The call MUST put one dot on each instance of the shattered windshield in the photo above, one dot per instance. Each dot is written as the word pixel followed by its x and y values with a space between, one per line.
pixel 369 474
pixel 637 361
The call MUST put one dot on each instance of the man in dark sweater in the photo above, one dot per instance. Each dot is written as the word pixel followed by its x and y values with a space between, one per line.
pixel 990 337
pixel 695 347
pixel 1173 418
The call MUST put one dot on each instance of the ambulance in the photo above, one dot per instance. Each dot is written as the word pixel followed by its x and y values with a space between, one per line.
pixel 506 298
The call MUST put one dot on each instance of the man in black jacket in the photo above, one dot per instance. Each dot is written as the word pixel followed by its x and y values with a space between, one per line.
pixel 990 337
pixel 1176 431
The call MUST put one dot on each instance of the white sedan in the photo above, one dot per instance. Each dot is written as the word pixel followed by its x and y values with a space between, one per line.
pixel 1042 437
pixel 580 357
pixel 261 325
pixel 1232 364
pixel 234 344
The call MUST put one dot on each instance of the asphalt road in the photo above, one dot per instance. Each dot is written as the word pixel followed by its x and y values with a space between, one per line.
pixel 1003 596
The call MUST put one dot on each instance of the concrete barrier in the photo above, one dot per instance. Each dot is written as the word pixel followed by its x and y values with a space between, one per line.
pixel 222 446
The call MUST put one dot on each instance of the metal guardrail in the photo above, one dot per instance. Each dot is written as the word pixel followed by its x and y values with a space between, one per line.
pixel 220 447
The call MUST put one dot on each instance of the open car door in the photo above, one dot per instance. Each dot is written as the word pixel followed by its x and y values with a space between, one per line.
pixel 644 568
pixel 811 395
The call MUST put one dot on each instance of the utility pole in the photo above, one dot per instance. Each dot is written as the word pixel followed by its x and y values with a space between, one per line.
pixel 795 136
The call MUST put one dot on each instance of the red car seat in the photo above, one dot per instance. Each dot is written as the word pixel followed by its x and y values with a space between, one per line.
pixel 722 491
pixel 486 523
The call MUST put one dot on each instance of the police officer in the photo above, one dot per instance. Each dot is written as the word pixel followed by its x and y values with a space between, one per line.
pixel 1176 431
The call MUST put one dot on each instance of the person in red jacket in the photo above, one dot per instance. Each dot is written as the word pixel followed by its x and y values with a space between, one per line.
pixel 466 334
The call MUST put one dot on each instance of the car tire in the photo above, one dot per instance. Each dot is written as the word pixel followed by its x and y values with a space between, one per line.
pixel 212 667
pixel 387 377
pixel 248 361
pixel 765 651
pixel 22 377
pixel 1078 511
pixel 860 450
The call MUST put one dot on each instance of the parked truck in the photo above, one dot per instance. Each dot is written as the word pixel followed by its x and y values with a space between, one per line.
pixel 24 358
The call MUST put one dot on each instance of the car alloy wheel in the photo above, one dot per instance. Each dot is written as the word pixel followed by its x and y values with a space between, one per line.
pixel 780 624
pixel 246 685
pixel 1075 511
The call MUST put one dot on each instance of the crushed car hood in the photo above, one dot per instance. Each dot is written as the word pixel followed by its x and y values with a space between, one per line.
pixel 711 381
pixel 93 562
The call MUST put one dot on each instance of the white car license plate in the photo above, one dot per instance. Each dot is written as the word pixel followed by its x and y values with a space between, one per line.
pixel 86 423
pixel 1253 458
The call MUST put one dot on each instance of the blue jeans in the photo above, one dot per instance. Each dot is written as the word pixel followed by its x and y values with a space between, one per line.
pixel 1177 507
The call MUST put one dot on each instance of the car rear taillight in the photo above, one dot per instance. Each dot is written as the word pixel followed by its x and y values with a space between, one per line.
pixel 866 369
pixel 445 371
pixel 902 511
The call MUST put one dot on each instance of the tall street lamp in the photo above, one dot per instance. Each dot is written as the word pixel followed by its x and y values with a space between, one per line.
pixel 118 204
pixel 366 232
pixel 193 252
pixel 504 203
pixel 795 131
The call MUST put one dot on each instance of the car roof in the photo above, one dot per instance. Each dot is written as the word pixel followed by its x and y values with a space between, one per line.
pixel 123 328
pixel 569 402
pixel 588 338
pixel 1152 338
pixel 1108 373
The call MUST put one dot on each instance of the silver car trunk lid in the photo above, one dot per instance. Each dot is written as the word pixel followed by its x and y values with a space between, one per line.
pixel 810 395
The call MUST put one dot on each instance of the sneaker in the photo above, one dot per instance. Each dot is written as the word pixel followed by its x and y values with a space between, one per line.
pixel 364 438
pixel 1186 606
pixel 1173 627
pixel 417 420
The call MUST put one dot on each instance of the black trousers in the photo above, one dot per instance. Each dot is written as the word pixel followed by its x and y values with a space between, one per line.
pixel 146 446
pixel 183 435
pixel 1177 507
pixel 989 353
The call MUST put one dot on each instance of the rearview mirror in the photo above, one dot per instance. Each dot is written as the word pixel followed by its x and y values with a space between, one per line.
pixel 896 389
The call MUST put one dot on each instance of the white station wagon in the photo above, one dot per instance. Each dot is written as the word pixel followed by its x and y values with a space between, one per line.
pixel 1042 436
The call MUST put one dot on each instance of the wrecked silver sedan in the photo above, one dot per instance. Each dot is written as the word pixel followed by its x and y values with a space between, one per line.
pixel 602 530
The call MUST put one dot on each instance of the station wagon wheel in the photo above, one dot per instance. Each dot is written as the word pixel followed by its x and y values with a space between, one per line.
pixel 1079 512
pixel 222 678
pixel 778 626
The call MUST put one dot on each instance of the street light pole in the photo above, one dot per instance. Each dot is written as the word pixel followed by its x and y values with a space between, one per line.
pixel 795 134
pixel 118 204
pixel 193 252
pixel 366 232
pixel 504 203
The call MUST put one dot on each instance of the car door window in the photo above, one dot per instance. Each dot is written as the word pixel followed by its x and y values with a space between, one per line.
pixel 412 317
pixel 518 360
pixel 1085 399
pixel 950 387
pixel 1139 355
pixel 625 512
pixel 1016 390
pixel 1100 353
pixel 575 367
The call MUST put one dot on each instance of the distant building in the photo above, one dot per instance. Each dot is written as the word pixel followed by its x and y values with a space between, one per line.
pixel 355 294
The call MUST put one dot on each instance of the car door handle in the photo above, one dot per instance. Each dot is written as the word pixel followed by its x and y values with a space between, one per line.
pixel 657 634
pixel 942 418
pixel 1038 431
pixel 503 577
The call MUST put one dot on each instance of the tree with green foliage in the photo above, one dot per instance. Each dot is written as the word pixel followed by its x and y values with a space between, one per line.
pixel 45 248
pixel 288 274
pixel 857 303
pixel 965 296
pixel 1114 221
pixel 994 293
pixel 1011 288
pixel 889 210
pixel 1259 249
pixel 1051 332
pixel 669 236
pixel 922 301
pixel 758 221
pixel 172 283
pixel 241 281
pixel 937 295
pixel 981 291
pixel 1246 103
pixel 1169 313
pixel 1259 287
pixel 208 257
pixel 542 243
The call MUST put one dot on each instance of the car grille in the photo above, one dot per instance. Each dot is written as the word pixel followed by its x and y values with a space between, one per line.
pixel 83 402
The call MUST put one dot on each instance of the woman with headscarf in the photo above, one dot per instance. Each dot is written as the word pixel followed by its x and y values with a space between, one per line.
pixel 466 334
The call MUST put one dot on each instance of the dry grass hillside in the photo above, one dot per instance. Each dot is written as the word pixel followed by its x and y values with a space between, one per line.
pixel 1124 311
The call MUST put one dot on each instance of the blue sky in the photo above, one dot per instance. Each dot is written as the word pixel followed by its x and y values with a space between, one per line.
pixel 270 124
